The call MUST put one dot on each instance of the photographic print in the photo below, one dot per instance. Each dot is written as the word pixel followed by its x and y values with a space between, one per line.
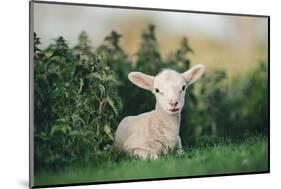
pixel 121 94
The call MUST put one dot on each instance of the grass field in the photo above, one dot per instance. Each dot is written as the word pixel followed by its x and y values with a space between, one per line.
pixel 251 155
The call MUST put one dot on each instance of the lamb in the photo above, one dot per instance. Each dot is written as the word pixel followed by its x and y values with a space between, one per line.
pixel 149 134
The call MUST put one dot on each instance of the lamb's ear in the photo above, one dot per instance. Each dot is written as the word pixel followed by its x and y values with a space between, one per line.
pixel 194 73
pixel 141 80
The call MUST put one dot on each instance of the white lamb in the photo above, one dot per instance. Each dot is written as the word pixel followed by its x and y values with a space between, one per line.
pixel 151 133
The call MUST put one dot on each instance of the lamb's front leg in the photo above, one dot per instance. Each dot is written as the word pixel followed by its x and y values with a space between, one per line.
pixel 179 146
pixel 144 154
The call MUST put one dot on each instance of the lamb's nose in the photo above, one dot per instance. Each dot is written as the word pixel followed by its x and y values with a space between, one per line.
pixel 173 103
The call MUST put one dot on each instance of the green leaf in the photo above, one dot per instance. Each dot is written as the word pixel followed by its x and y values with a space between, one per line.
pixel 102 89
pixel 112 105
pixel 94 75
pixel 55 129
pixel 48 52
pixel 76 117
pixel 43 137
pixel 74 133
pixel 111 78
pixel 81 86
pixel 89 132
pixel 107 130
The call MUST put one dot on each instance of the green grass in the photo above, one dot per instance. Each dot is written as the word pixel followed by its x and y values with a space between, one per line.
pixel 220 158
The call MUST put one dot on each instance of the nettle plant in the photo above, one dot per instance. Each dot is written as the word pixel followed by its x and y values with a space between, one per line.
pixel 76 103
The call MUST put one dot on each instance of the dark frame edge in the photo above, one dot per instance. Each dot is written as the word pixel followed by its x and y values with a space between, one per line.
pixel 151 179
pixel 268 84
pixel 148 8
pixel 31 95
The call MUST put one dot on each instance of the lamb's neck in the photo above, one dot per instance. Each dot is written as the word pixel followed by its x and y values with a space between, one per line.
pixel 170 120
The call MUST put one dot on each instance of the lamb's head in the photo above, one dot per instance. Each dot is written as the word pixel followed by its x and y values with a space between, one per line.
pixel 168 86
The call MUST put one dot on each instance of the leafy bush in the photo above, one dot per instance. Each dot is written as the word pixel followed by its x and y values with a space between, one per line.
pixel 82 93
pixel 76 103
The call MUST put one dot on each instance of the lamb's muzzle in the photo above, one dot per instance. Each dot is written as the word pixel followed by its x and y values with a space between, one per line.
pixel 151 133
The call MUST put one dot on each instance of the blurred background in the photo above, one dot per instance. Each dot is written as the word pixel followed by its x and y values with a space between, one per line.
pixel 233 43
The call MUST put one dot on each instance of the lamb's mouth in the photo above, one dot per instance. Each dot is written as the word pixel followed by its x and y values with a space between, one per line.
pixel 174 110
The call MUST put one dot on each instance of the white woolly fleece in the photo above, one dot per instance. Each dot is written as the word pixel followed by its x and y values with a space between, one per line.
pixel 151 133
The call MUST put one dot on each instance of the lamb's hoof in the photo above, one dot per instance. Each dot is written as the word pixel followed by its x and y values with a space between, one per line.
pixel 180 152
pixel 154 157
pixel 151 157
pixel 147 156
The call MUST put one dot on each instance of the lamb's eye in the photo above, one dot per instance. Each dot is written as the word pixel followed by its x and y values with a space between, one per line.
pixel 157 90
pixel 183 87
